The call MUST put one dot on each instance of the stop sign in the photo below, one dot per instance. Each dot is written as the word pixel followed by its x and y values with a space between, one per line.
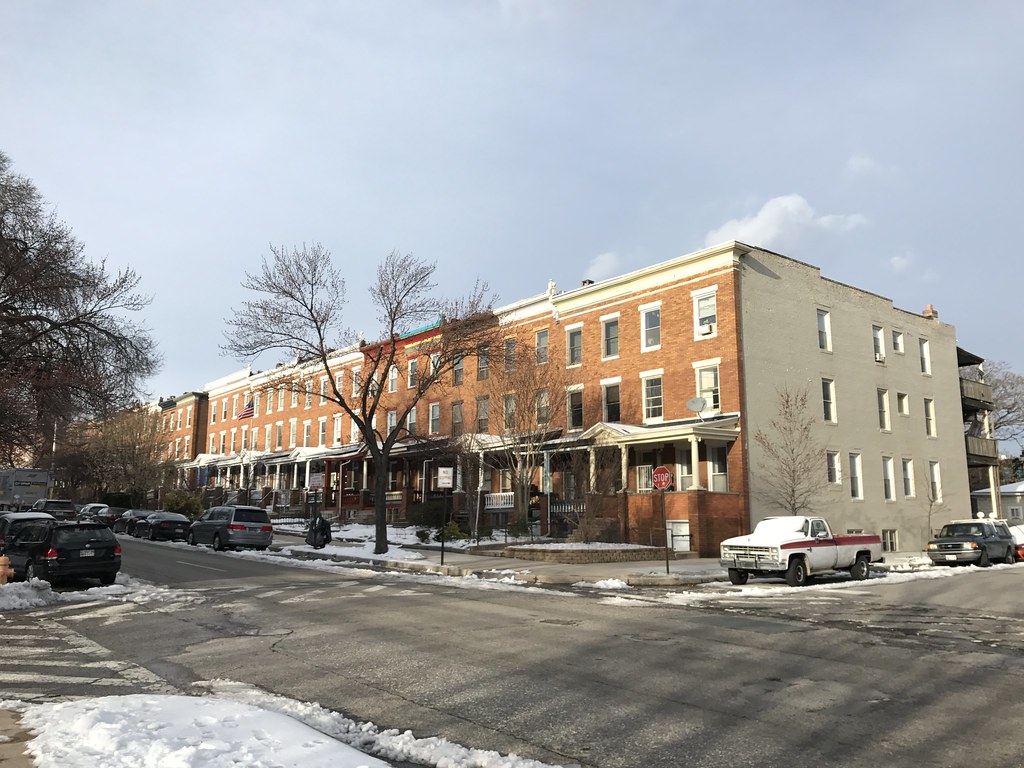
pixel 661 478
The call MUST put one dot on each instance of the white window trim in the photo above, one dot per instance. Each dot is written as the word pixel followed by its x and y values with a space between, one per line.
pixel 656 373
pixel 569 329
pixel 643 309
pixel 604 319
pixel 609 382
pixel 710 410
pixel 695 296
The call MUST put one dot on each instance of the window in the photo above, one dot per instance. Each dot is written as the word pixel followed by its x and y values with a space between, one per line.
pixel 337 429
pixel 483 362
pixel 270 401
pixel 505 480
pixel 828 400
pixel 482 408
pixel 929 418
pixel 908 478
pixel 267 445
pixel 611 402
pixel 610 338
pixel 392 421
pixel 897 342
pixel 213 413
pixel 245 438
pixel 339 381
pixel 856 492
pixel 233 434
pixel 652 396
pixel 179 419
pixel 456 419
pixel 883 409
pixel 323 390
pixel 926 360
pixel 650 327
pixel 255 404
pixel 293 432
pixel 224 409
pixel 413 375
pixel 188 446
pixel 644 478
pixel 888 482
pixel 393 378
pixel 321 438
pixel 510 354
pixel 542 347
pixel 434 412
pixel 903 403
pixel 280 397
pixel 307 394
pixel 543 406
pixel 305 434
pixel 410 421
pixel 435 364
pixel 718 460
pixel 574 417
pixel 213 444
pixel 357 380
pixel 707 386
pixel 832 468
pixel 508 411
pixel 353 431
pixel 705 313
pixel 890 540
pixel 934 481
pixel 295 394
pixel 574 345
pixel 280 435
pixel 458 370
pixel 824 330
pixel 188 413
pixel 878 343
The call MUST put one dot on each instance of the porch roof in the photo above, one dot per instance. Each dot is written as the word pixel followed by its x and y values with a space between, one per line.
pixel 722 427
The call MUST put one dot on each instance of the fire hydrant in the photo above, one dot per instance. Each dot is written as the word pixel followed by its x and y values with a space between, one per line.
pixel 6 572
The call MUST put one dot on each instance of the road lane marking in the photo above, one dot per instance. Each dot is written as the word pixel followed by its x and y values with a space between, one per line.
pixel 197 565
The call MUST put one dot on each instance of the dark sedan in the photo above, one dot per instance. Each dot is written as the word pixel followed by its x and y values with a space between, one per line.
pixel 126 522
pixel 169 526
pixel 53 551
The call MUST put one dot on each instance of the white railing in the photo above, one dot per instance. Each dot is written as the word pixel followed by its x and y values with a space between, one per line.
pixel 644 478
pixel 503 500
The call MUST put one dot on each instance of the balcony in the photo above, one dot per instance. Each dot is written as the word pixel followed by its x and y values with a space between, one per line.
pixel 981 451
pixel 503 500
pixel 975 396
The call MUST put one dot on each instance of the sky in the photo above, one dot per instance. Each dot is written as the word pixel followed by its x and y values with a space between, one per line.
pixel 228 723
pixel 521 141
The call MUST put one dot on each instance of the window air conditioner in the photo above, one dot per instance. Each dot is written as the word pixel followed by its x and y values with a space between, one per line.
pixel 707 329
pixel 879 357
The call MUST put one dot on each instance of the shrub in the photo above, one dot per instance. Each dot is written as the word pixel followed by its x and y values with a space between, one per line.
pixel 184 503
pixel 452 532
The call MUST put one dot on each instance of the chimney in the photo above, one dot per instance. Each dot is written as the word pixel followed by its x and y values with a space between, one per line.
pixel 587 281
pixel 930 312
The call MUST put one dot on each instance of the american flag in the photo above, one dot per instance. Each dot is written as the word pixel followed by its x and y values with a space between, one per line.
pixel 246 413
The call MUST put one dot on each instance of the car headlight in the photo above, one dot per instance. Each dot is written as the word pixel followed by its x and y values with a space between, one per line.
pixel 971 545
pixel 932 545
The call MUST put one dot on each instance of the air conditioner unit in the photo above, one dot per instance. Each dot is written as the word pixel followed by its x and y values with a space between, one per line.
pixel 879 357
pixel 707 329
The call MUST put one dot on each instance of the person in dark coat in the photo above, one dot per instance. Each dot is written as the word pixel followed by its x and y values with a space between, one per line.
pixel 319 532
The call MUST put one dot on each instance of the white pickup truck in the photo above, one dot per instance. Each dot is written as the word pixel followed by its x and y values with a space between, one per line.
pixel 796 548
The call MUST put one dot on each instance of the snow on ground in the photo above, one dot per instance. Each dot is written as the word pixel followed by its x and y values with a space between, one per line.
pixel 229 724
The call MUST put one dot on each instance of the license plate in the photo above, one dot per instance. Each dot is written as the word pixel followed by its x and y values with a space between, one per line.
pixel 87 553
pixel 951 557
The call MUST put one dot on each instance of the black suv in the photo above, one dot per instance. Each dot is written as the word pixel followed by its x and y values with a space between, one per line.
pixel 50 550
pixel 972 541
pixel 62 509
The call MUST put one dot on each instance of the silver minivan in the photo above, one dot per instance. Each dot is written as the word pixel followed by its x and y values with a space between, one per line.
pixel 231 527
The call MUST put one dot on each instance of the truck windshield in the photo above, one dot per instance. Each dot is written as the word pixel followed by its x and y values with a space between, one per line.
pixel 781 525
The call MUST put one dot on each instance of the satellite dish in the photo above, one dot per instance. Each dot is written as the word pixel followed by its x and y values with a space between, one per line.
pixel 697 404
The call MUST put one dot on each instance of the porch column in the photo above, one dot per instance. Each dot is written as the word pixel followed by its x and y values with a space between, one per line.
pixel 306 484
pixel 624 466
pixel 458 474
pixel 366 472
pixel 591 481
pixel 695 464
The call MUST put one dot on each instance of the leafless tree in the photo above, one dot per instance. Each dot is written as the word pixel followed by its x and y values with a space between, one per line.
pixel 126 453
pixel 67 347
pixel 530 398
pixel 793 464
pixel 1007 420
pixel 298 312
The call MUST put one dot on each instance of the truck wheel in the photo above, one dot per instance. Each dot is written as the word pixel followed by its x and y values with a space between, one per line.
pixel 861 568
pixel 737 576
pixel 796 574
pixel 1011 557
pixel 984 561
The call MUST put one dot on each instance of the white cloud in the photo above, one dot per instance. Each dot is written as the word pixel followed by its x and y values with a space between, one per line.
pixel 862 165
pixel 781 222
pixel 901 262
pixel 603 266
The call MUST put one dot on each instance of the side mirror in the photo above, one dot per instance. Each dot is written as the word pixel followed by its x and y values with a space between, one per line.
pixel 822 535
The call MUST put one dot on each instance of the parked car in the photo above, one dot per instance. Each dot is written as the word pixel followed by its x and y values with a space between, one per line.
pixel 162 525
pixel 978 542
pixel 62 509
pixel 1017 531
pixel 52 550
pixel 108 515
pixel 231 526
pixel 88 511
pixel 126 522
pixel 12 522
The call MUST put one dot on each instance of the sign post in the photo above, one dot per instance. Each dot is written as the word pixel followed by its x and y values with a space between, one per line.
pixel 662 479
pixel 444 480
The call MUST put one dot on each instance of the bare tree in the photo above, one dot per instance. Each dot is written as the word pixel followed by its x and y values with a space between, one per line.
pixel 793 457
pixel 67 349
pixel 531 398
pixel 1007 420
pixel 298 312
pixel 124 453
